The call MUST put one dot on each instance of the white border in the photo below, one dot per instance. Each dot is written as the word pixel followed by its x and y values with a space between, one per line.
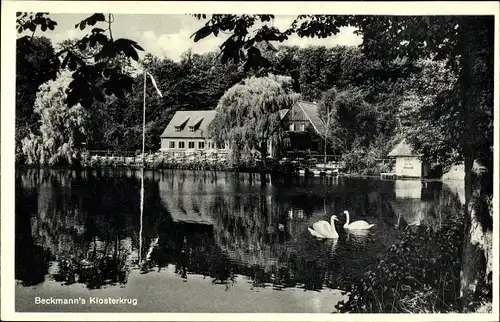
pixel 135 7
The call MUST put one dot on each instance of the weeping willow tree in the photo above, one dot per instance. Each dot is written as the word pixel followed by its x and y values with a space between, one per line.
pixel 248 114
pixel 62 129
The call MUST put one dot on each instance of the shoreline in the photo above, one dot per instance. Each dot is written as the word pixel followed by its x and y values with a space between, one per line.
pixel 453 181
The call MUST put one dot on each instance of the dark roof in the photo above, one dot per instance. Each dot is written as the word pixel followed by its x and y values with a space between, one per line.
pixel 311 112
pixel 194 121
pixel 189 118
pixel 403 149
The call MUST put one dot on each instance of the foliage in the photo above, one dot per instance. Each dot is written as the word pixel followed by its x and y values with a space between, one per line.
pixel 62 128
pixel 420 274
pixel 414 37
pixel 441 38
pixel 351 119
pixel 32 70
pixel 464 43
pixel 248 113
pixel 84 88
pixel 194 83
pixel 431 132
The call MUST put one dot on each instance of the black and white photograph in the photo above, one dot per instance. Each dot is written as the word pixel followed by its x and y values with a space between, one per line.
pixel 249 158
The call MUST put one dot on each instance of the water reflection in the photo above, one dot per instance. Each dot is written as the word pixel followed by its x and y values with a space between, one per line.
pixel 415 202
pixel 85 226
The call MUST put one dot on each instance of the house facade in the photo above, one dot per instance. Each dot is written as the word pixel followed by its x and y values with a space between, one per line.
pixel 187 132
pixel 306 130
pixel 408 163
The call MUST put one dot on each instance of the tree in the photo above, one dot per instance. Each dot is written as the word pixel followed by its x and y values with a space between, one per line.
pixel 349 117
pixel 32 70
pixel 465 43
pixel 62 129
pixel 427 131
pixel 83 88
pixel 326 110
pixel 248 114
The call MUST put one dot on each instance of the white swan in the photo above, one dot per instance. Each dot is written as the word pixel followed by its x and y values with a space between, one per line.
pixel 323 229
pixel 358 224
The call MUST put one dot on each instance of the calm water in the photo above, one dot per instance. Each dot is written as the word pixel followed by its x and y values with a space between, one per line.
pixel 206 242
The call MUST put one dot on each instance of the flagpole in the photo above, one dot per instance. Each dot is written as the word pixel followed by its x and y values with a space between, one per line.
pixel 144 118
pixel 142 167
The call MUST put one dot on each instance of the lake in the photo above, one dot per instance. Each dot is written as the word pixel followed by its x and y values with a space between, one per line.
pixel 205 242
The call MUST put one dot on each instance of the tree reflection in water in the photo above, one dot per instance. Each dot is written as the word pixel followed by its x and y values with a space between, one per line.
pixel 88 223
pixel 97 268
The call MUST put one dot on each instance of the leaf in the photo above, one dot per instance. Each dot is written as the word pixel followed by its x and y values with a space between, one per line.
pixel 72 65
pixel 202 33
pixel 82 44
pixel 97 30
pixel 126 82
pixel 126 46
pixel 31 26
pixel 97 93
pixel 136 46
pixel 249 43
pixel 65 60
pixel 92 20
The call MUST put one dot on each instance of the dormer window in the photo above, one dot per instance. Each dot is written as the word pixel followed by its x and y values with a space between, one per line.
pixel 191 129
pixel 181 125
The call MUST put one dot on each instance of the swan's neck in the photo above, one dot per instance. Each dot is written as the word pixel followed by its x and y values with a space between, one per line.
pixel 332 226
pixel 347 214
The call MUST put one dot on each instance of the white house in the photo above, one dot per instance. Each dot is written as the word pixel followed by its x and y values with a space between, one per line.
pixel 408 163
pixel 187 132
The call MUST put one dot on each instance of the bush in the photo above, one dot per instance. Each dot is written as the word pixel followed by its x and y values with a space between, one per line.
pixel 420 274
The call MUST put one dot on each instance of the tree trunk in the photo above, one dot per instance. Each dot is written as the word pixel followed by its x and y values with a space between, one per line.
pixel 476 259
pixel 263 153
pixel 476 273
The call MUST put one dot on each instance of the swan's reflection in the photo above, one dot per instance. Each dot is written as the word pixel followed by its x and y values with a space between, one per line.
pixel 333 244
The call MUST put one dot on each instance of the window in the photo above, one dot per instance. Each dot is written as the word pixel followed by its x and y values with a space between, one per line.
pixel 181 144
pixel 302 127
pixel 191 129
pixel 201 145
pixel 171 144
pixel 291 127
pixel 177 129
pixel 190 145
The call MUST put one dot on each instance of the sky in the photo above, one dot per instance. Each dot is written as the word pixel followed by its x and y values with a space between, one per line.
pixel 169 35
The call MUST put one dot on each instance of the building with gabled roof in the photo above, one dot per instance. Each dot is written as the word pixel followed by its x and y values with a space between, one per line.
pixel 305 128
pixel 408 162
pixel 187 131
